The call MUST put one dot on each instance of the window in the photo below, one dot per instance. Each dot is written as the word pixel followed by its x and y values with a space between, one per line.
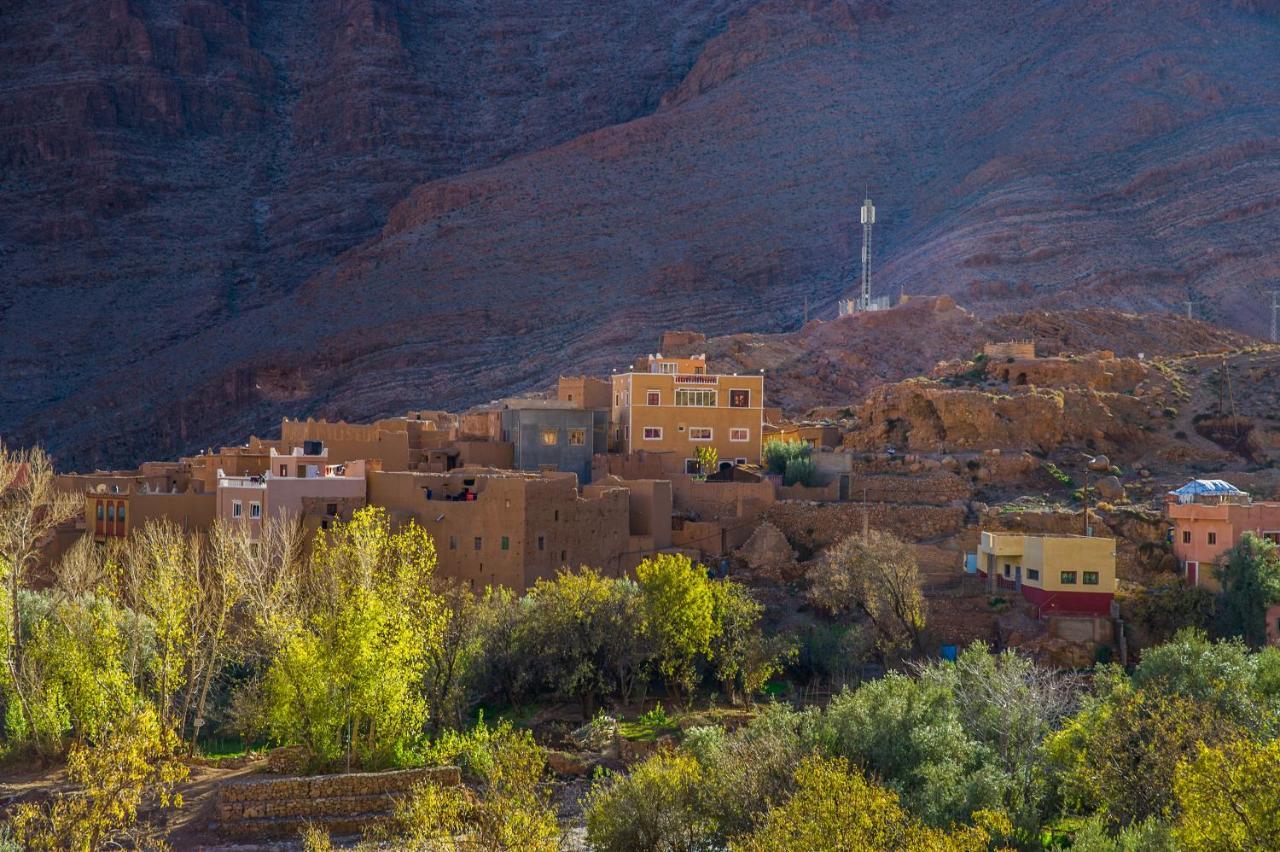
pixel 1213 538
pixel 236 509
pixel 1090 578
pixel 1008 571
pixel 100 511
pixel 453 542
pixel 577 437
pixel 653 433
pixel 564 557
pixel 668 367
pixel 111 511
pixel 696 397
pixel 549 437
pixel 653 398
pixel 740 461
pixel 739 398
pixel 255 510
pixel 692 467
pixel 479 542
pixel 557 515
pixel 699 433
pixel 120 513
pixel 1068 578
pixel 739 435
pixel 331 509
pixel 1273 537
pixel 284 470
pixel 1186 536
pixel 506 543
pixel 1033 573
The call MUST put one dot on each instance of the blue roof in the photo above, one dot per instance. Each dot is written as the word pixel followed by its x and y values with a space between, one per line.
pixel 1207 486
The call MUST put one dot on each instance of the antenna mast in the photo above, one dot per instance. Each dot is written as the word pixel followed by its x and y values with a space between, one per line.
pixel 868 219
pixel 1275 316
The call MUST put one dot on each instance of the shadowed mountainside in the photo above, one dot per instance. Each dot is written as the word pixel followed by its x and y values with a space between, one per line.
pixel 212 217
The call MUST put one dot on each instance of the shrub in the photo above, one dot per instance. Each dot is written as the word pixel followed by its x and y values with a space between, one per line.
pixel 800 471
pixel 777 452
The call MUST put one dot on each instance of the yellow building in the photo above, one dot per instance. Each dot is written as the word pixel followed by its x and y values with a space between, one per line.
pixel 673 406
pixel 1057 573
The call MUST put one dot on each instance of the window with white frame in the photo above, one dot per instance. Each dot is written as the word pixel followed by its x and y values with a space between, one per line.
pixel 701 397
pixel 653 398
pixel 255 510
pixel 236 509
pixel 668 367
pixel 699 433
pixel 739 435
pixel 653 433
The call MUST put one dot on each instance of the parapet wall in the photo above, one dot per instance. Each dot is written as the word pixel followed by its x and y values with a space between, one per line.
pixel 342 804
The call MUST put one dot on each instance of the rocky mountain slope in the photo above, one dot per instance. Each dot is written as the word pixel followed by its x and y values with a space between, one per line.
pixel 218 211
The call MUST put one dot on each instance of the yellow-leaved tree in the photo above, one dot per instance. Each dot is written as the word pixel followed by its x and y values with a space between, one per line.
pixel 347 678
pixel 1229 796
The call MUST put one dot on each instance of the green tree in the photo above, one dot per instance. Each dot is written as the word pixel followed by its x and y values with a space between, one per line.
pixel 1250 577
pixel 1008 704
pixel 743 657
pixel 449 665
pixel 835 808
pixel 1221 674
pixel 877 577
pixel 571 619
pixel 1118 756
pixel 1229 797
pixel 907 731
pixel 348 676
pixel 680 611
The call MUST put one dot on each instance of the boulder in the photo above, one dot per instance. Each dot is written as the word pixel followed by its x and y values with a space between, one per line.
pixel 1100 463
pixel 769 554
pixel 1110 488
pixel 567 765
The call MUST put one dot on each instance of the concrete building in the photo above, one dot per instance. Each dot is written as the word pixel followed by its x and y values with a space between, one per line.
pixel 510 528
pixel 1057 573
pixel 673 406
pixel 548 434
pixel 293 483
pixel 1208 517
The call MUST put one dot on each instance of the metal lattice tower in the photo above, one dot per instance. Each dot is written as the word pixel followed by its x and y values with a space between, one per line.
pixel 868 219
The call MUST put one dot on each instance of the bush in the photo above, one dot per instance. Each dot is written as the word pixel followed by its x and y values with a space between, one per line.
pixel 800 472
pixel 777 452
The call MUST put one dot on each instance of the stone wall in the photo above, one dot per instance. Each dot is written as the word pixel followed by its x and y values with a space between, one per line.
pixel 811 527
pixel 342 804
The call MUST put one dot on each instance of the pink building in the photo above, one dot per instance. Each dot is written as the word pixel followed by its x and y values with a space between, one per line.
pixel 290 481
pixel 1208 517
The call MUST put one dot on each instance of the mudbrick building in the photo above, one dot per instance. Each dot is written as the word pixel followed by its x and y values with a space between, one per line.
pixel 293 483
pixel 512 528
pixel 673 406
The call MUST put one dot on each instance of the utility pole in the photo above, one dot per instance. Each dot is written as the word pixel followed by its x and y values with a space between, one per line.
pixel 868 219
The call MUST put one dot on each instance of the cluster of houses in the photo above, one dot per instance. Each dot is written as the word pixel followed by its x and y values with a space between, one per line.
pixel 605 474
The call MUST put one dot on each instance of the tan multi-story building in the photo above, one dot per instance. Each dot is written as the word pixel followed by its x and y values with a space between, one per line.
pixel 1057 573
pixel 512 528
pixel 674 406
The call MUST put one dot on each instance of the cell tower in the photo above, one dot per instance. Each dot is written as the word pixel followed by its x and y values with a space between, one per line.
pixel 868 219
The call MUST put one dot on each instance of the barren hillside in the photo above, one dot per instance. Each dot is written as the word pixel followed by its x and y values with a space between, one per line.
pixel 218 211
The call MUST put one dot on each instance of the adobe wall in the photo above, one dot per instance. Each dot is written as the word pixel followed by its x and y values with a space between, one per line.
pixel 931 489
pixel 352 441
pixel 497 454
pixel 194 512
pixel 723 500
pixel 1018 349
pixel 264 808
pixel 638 465
pixel 584 391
